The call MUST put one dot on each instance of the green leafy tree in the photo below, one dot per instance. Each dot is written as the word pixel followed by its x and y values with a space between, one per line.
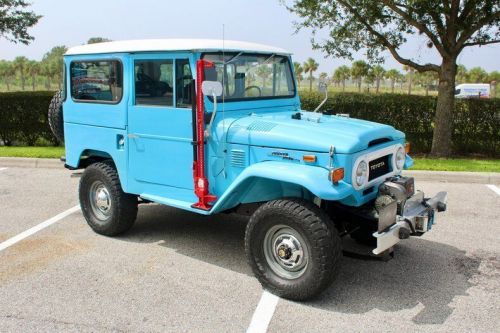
pixel 477 75
pixel 297 67
pixel 462 74
pixel 493 78
pixel 33 70
pixel 7 72
pixel 342 74
pixel 52 65
pixel 310 66
pixel 359 70
pixel 95 40
pixel 15 20
pixel 21 66
pixel 393 75
pixel 448 26
pixel 378 73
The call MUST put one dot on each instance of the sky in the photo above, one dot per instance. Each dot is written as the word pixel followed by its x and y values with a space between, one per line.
pixel 73 22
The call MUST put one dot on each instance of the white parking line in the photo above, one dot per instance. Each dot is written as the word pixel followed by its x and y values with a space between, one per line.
pixel 1 169
pixel 37 228
pixel 494 189
pixel 263 313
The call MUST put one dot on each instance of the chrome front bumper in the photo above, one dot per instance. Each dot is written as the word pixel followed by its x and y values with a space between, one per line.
pixel 417 218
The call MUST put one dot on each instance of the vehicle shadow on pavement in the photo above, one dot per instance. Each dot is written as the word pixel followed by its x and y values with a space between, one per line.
pixel 423 273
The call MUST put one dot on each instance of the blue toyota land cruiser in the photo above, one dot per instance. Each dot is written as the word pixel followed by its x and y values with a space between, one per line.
pixel 210 126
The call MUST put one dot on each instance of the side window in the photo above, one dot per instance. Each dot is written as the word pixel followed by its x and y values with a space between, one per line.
pixel 184 82
pixel 154 82
pixel 96 81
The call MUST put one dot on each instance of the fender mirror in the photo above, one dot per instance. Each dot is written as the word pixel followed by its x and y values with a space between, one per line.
pixel 211 88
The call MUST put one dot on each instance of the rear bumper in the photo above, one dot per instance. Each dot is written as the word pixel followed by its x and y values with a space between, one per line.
pixel 419 214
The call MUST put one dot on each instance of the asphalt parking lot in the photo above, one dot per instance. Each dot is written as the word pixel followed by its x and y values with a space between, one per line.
pixel 180 272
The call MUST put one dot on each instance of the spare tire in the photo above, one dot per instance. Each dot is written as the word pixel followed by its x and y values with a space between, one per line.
pixel 56 121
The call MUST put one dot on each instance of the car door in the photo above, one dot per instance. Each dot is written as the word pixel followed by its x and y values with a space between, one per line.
pixel 159 120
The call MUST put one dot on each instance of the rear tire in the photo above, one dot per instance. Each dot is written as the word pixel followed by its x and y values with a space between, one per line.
pixel 293 248
pixel 108 210
pixel 56 121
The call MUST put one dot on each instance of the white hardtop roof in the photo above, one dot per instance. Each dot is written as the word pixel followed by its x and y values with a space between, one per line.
pixel 158 45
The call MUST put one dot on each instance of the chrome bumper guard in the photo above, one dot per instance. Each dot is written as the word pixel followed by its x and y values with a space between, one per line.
pixel 418 218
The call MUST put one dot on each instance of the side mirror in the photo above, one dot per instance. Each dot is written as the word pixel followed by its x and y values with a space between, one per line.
pixel 211 88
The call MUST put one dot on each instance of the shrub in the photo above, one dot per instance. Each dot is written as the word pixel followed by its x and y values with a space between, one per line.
pixel 476 123
pixel 23 117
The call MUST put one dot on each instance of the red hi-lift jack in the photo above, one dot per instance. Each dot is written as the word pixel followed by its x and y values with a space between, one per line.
pixel 200 180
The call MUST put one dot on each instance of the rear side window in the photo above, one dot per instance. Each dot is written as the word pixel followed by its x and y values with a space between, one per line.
pixel 154 81
pixel 97 81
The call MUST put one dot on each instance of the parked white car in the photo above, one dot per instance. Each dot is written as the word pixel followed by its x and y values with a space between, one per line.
pixel 472 90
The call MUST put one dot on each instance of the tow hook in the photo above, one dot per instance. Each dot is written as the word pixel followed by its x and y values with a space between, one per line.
pixel 404 233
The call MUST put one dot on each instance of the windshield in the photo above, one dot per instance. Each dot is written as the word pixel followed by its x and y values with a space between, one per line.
pixel 251 76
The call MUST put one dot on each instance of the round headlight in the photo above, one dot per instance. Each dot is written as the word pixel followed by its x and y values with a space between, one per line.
pixel 361 173
pixel 400 158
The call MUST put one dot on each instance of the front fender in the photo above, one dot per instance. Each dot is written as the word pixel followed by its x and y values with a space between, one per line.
pixel 258 183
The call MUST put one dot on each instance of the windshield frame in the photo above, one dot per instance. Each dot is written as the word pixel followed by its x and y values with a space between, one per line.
pixel 254 99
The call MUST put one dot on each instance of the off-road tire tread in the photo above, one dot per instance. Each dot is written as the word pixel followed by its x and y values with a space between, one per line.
pixel 55 116
pixel 325 243
pixel 125 206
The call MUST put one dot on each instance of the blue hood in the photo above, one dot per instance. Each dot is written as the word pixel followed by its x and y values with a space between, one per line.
pixel 313 132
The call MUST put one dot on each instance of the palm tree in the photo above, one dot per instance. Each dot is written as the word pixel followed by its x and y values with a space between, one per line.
pixel 263 71
pixel 310 66
pixel 378 73
pixel 342 74
pixel 359 70
pixel 410 72
pixel 33 69
pixel 53 64
pixel 7 71
pixel 297 67
pixel 478 75
pixel 21 66
pixel 393 75
pixel 425 79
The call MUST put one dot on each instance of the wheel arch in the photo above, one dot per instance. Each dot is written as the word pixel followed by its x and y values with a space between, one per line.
pixel 272 180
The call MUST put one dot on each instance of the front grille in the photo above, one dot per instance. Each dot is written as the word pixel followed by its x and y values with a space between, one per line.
pixel 378 167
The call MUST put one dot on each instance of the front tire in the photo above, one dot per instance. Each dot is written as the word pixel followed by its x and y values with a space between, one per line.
pixel 293 248
pixel 108 210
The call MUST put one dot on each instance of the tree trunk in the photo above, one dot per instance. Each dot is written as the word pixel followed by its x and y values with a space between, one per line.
pixel 359 85
pixel 393 82
pixel 33 82
pixel 23 81
pixel 343 85
pixel 441 141
pixel 378 86
pixel 7 82
pixel 310 81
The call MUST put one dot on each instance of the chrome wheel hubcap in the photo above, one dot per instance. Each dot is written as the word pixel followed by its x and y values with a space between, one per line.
pixel 100 200
pixel 286 252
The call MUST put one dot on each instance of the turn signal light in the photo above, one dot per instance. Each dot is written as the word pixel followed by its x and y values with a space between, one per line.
pixel 337 175
pixel 309 158
pixel 407 147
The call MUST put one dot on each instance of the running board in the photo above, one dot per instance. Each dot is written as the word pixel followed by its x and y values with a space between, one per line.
pixel 185 205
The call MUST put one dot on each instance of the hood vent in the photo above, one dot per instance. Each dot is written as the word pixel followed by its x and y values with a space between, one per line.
pixel 238 158
pixel 378 141
pixel 261 126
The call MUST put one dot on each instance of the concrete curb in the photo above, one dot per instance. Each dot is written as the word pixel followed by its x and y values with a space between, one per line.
pixel 455 176
pixel 23 162
pixel 435 176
